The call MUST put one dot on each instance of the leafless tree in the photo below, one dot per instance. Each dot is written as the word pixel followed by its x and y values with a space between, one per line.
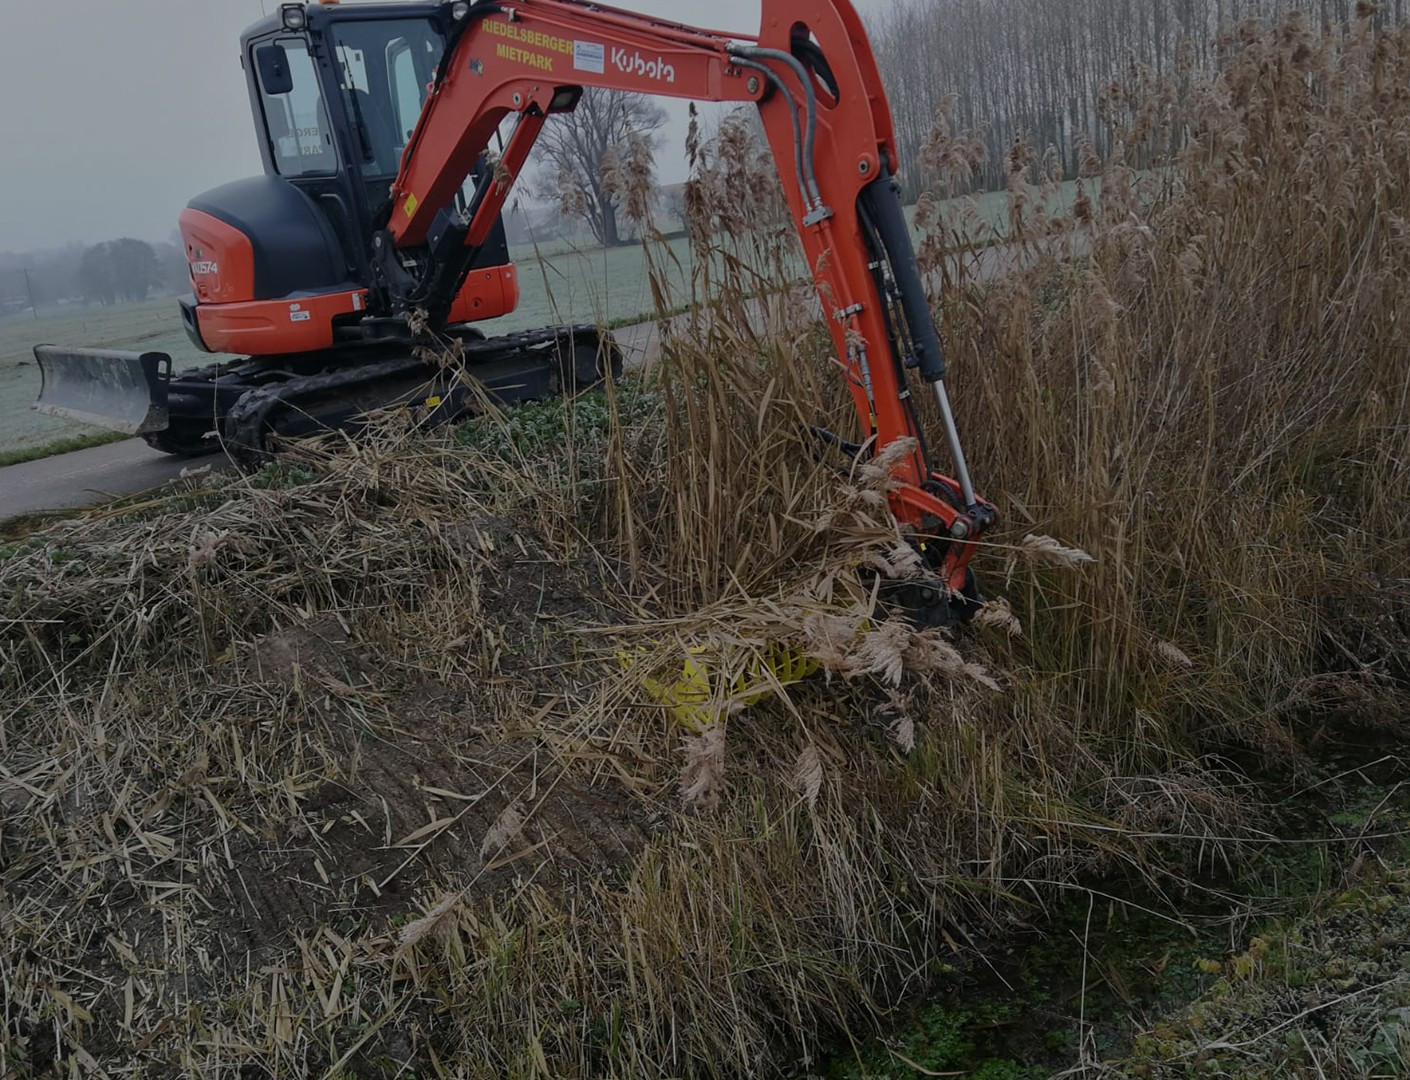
pixel 671 201
pixel 578 151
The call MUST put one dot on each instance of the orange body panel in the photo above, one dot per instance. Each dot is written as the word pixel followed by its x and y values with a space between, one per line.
pixel 488 293
pixel 276 327
pixel 220 257
pixel 233 320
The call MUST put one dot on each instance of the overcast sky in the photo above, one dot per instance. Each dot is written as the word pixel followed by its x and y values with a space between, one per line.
pixel 113 113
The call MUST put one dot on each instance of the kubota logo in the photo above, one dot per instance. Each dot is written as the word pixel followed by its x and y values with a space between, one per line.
pixel 636 64
pixel 205 266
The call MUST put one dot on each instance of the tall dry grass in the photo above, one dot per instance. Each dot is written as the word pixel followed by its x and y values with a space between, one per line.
pixel 1214 403
pixel 355 771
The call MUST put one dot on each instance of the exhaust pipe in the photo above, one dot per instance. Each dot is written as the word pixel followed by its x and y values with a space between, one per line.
pixel 119 391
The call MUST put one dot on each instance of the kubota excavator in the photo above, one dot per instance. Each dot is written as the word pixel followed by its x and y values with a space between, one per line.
pixel 378 220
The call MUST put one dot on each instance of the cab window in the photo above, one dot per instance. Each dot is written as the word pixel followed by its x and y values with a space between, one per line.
pixel 384 67
pixel 408 87
pixel 300 135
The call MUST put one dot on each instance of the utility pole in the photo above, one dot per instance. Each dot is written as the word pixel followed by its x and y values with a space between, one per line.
pixel 29 288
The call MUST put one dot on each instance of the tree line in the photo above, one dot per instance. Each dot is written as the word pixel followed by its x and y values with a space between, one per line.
pixel 1042 70
pixel 1046 72
pixel 111 272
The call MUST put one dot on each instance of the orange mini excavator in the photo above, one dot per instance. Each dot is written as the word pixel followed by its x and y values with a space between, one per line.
pixel 378 218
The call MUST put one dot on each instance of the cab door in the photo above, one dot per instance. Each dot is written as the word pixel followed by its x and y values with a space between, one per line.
pixel 300 139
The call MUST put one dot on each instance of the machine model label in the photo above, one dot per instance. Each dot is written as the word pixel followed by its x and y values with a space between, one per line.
pixel 590 56
pixel 634 63
pixel 205 266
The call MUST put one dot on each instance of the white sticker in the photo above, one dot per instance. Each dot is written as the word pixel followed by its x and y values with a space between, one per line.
pixel 357 301
pixel 589 56
pixel 300 316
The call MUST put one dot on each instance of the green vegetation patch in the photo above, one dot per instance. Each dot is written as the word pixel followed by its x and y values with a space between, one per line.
pixel 1326 995
pixel 60 446
pixel 946 1040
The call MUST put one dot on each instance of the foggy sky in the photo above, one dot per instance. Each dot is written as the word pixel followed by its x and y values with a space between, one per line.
pixel 114 113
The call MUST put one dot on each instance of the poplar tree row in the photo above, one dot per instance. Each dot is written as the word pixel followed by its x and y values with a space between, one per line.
pixel 1038 69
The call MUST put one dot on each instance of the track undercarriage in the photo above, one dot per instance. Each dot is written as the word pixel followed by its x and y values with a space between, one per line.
pixel 246 406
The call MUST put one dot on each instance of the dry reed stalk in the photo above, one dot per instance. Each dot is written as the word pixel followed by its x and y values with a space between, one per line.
pixel 248 725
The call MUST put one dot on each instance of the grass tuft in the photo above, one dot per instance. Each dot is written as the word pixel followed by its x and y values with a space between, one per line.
pixel 59 446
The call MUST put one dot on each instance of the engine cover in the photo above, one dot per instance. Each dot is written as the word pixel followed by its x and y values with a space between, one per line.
pixel 268 273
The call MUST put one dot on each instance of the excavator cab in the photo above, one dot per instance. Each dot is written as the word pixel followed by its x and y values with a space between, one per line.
pixel 284 263
pixel 370 73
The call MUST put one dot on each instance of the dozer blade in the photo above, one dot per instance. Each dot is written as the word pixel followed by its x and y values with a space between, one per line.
pixel 120 391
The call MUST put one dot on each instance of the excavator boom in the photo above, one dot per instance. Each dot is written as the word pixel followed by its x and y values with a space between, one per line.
pixel 812 75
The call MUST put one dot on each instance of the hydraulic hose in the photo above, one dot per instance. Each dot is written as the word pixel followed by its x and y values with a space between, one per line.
pixel 782 87
pixel 753 52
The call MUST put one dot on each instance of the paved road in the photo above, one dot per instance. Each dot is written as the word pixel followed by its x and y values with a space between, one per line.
pixel 90 476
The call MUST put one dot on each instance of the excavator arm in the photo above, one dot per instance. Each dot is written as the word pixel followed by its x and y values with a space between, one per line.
pixel 814 79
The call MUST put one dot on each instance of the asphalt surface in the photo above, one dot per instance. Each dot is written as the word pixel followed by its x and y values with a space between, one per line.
pixel 87 477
